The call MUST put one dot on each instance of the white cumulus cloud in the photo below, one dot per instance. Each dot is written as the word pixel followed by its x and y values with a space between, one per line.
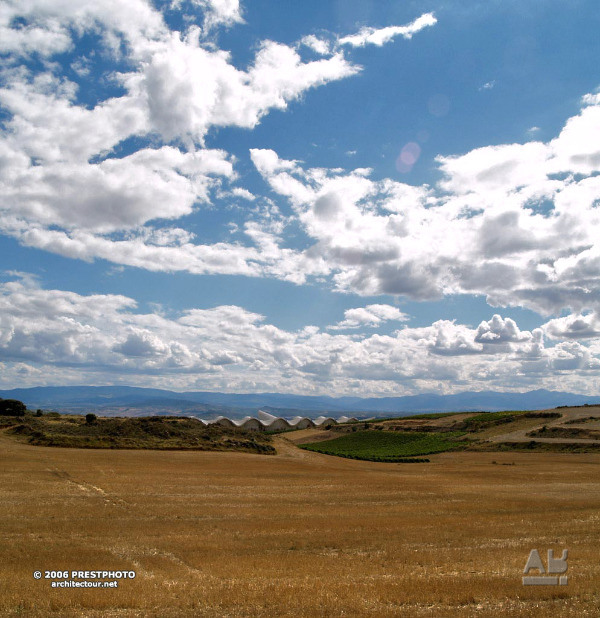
pixel 371 315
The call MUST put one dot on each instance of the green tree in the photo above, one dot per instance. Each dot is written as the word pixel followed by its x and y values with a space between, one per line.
pixel 12 407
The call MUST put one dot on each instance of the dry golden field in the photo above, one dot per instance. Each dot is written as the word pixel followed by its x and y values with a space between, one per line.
pixel 296 534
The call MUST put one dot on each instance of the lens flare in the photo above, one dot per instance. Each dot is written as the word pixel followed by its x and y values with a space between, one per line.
pixel 408 156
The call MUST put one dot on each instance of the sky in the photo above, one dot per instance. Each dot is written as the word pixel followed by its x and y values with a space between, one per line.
pixel 342 197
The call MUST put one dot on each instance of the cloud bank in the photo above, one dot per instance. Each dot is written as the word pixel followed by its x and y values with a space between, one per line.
pixel 515 222
pixel 90 337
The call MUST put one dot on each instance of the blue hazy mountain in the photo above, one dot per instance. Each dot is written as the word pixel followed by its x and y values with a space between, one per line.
pixel 99 397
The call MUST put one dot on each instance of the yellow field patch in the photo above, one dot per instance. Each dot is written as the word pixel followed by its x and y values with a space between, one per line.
pixel 298 534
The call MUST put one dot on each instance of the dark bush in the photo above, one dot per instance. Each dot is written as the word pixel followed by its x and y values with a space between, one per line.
pixel 12 407
pixel 90 418
pixel 542 415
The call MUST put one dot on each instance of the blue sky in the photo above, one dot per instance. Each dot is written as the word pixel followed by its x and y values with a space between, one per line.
pixel 345 197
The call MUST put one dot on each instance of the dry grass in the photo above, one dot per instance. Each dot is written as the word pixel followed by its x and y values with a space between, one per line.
pixel 298 534
pixel 521 423
pixel 155 432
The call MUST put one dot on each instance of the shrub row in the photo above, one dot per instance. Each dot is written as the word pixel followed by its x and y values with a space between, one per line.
pixel 381 459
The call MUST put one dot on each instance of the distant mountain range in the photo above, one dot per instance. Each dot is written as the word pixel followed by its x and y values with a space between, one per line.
pixel 135 401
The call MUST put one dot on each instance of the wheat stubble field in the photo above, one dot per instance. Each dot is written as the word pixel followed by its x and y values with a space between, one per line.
pixel 296 534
